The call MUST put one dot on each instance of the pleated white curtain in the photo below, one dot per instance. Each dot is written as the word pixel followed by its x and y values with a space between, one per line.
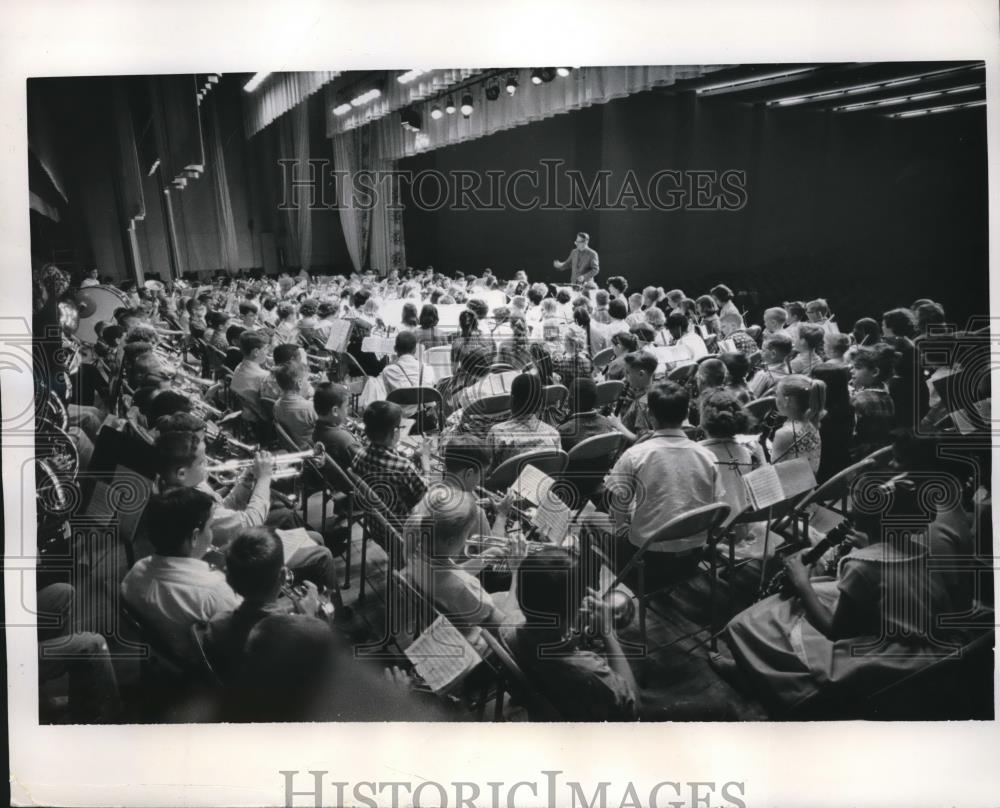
pixel 345 158
pixel 279 93
pixel 228 245
pixel 584 87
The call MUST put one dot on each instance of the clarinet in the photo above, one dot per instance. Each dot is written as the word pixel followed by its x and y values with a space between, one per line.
pixel 781 585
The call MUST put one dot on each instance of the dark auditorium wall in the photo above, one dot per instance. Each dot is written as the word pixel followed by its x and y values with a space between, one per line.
pixel 871 212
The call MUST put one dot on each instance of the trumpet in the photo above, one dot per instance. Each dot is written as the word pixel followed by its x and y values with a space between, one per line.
pixel 475 545
pixel 284 466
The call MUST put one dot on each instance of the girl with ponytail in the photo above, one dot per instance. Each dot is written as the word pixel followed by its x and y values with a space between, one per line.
pixel 801 400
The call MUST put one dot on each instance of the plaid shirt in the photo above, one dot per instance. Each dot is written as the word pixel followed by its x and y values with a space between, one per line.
pixel 394 478
pixel 520 435
pixel 745 344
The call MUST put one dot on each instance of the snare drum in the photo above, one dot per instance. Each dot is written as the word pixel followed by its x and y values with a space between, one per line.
pixel 97 303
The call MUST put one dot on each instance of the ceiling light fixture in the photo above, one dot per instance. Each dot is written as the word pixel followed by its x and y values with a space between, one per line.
pixel 467 104
pixel 365 97
pixel 914 113
pixel 342 109
pixel 255 82
pixel 449 107
pixel 858 89
pixel 409 75
pixel 511 85
pixel 751 82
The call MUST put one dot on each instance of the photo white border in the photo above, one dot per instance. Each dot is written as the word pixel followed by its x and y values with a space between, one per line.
pixel 780 764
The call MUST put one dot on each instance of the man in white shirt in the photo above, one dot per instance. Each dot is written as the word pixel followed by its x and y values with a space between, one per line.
pixel 407 370
pixel 658 479
pixel 174 588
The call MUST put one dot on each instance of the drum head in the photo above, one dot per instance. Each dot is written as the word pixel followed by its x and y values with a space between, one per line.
pixel 96 303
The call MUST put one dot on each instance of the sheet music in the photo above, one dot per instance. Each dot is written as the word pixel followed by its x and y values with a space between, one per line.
pixel 532 485
pixel 294 539
pixel 763 487
pixel 727 346
pixel 383 346
pixel 441 655
pixel 552 518
pixel 340 330
pixel 670 354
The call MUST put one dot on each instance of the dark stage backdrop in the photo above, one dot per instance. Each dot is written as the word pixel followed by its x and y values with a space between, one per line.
pixel 868 211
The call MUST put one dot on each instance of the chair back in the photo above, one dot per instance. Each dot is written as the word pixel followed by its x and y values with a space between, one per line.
pixel 608 393
pixel 837 487
pixel 755 360
pixel 548 461
pixel 594 448
pixel 603 358
pixel 415 396
pixel 703 519
pixel 267 407
pixel 502 367
pixel 490 405
pixel 880 457
pixel 761 408
pixel 681 375
pixel 754 331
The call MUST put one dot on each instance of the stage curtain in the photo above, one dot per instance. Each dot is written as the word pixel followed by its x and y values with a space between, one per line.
pixel 280 93
pixel 228 247
pixel 582 88
pixel 345 159
pixel 293 142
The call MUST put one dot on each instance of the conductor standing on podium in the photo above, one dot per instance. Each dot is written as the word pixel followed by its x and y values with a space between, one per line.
pixel 582 261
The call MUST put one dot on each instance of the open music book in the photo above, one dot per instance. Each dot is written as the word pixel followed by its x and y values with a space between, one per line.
pixel 383 346
pixel 532 485
pixel 769 485
pixel 670 356
pixel 441 655
pixel 340 331
pixel 293 540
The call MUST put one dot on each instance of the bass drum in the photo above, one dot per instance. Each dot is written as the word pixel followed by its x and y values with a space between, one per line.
pixel 97 303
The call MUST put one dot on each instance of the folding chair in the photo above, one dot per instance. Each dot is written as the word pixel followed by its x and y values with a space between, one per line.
pixel 588 463
pixel 419 397
pixel 608 393
pixel 704 519
pixel 603 358
pixel 682 375
pixel 548 461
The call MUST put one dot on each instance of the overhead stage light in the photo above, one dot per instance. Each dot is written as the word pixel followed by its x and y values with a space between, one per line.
pixel 536 76
pixel 255 82
pixel 450 106
pixel 436 112
pixel 409 75
pixel 511 86
pixel 562 72
pixel 365 97
pixel 548 73
pixel 342 109
pixel 467 105
pixel 492 91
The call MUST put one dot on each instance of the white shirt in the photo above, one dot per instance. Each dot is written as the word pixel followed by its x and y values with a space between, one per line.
pixel 170 594
pixel 695 344
pixel 665 476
